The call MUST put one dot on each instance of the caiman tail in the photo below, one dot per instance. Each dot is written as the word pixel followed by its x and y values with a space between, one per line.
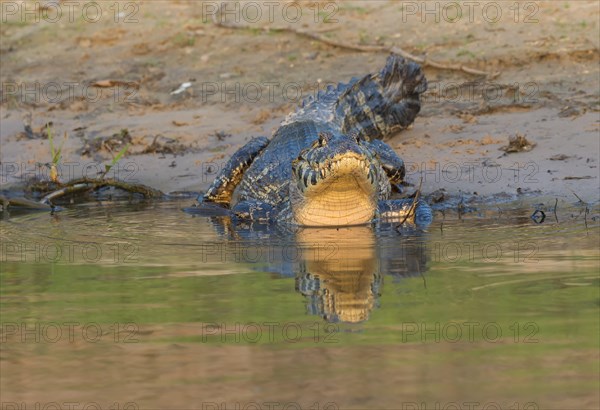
pixel 380 104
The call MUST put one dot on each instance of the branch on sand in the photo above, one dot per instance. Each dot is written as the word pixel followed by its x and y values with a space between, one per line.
pixel 88 184
pixel 425 62
pixel 71 187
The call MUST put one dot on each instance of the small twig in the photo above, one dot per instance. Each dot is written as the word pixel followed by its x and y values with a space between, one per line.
pixel 580 200
pixel 555 204
pixel 587 233
pixel 425 62
pixel 413 206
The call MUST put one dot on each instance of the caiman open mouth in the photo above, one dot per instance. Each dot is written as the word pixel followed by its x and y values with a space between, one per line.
pixel 340 191
pixel 314 178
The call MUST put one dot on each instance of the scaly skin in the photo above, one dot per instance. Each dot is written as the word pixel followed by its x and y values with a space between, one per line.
pixel 326 163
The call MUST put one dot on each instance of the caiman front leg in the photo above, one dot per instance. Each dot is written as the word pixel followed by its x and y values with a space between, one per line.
pixel 254 210
pixel 401 210
pixel 391 163
pixel 229 177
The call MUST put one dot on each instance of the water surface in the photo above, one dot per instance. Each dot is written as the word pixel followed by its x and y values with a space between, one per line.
pixel 144 306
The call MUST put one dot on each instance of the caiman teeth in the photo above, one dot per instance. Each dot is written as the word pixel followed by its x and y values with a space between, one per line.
pixel 310 173
pixel 305 176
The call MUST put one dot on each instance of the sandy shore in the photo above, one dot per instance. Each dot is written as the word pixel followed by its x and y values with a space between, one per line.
pixel 92 80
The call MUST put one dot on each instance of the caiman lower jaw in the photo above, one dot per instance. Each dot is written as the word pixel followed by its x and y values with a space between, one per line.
pixel 349 200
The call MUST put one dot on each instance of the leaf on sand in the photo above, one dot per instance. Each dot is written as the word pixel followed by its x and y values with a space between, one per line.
pixel 518 143
pixel 559 157
pixel 181 88
pixel 571 177
pixel 115 83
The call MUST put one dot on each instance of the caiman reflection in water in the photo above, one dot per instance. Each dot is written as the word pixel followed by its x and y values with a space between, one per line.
pixel 340 271
pixel 345 284
pixel 342 283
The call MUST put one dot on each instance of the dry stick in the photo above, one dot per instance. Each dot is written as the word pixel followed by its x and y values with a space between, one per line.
pixel 89 184
pixel 63 191
pixel 340 44
pixel 23 203
pixel 555 204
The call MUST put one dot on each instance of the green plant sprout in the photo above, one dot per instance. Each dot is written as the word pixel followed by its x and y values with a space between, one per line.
pixel 116 159
pixel 55 154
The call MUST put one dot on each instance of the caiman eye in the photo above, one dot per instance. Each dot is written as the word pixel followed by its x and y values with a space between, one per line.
pixel 323 137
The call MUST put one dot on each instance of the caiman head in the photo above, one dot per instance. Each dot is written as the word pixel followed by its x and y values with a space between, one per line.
pixel 337 181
